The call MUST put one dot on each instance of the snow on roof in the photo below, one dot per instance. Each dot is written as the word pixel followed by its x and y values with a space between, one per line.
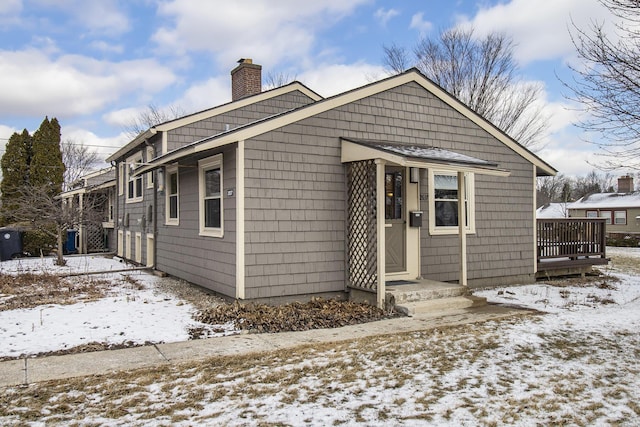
pixel 423 152
pixel 608 200
pixel 552 210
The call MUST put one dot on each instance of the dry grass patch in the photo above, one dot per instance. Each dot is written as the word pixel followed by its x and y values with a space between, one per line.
pixel 30 290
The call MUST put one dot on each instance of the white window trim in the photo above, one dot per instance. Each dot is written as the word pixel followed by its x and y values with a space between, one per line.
pixel 131 161
pixel 127 245
pixel 471 205
pixel 138 245
pixel 149 174
pixel 120 250
pixel 204 165
pixel 167 219
pixel 615 217
pixel 607 215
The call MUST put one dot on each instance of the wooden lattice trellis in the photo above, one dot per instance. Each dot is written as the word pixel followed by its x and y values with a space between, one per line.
pixel 362 226
pixel 95 238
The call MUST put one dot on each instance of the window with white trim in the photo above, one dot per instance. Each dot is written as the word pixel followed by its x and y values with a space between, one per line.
pixel 620 217
pixel 134 183
pixel 606 215
pixel 443 202
pixel 592 214
pixel 172 212
pixel 210 190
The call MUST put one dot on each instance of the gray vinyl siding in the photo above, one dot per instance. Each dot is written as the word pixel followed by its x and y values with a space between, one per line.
pixel 206 261
pixel 296 198
pixel 237 117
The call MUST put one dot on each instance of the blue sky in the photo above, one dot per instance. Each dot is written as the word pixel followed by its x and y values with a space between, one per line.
pixel 94 64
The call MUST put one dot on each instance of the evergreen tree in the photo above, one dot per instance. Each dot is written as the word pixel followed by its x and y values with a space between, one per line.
pixel 15 172
pixel 46 167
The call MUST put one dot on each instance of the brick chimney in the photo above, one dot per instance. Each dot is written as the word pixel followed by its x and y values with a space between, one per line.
pixel 246 79
pixel 625 184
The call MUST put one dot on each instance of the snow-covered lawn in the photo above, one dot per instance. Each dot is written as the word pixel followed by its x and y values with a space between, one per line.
pixel 577 364
pixel 134 311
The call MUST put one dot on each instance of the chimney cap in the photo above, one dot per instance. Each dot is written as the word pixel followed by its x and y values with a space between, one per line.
pixel 245 61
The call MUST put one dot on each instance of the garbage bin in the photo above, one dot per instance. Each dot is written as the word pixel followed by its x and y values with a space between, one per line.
pixel 10 243
pixel 70 245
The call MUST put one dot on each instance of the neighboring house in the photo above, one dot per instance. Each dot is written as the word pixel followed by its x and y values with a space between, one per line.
pixel 553 210
pixel 283 194
pixel 95 191
pixel 621 210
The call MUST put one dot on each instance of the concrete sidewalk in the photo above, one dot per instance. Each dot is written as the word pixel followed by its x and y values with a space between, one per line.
pixel 32 370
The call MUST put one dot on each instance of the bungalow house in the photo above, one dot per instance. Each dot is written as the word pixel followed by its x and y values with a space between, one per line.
pixel 283 194
pixel 95 192
pixel 621 210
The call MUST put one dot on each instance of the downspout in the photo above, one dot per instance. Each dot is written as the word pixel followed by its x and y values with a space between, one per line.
pixel 116 204
pixel 154 221
pixel 462 228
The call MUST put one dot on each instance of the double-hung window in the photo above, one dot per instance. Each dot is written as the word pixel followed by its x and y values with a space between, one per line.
pixel 172 202
pixel 134 183
pixel 620 217
pixel 444 200
pixel 210 189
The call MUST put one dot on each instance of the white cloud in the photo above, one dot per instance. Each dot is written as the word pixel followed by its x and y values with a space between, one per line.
pixel 10 7
pixel 539 28
pixel 34 83
pixel 206 94
pixel 331 79
pixel 122 117
pixel 103 46
pixel 99 16
pixel 383 16
pixel 418 23
pixel 103 147
pixel 270 31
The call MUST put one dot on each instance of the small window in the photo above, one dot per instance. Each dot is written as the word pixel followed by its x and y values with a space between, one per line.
pixel 606 215
pixel 172 208
pixel 443 206
pixel 592 214
pixel 134 183
pixel 211 209
pixel 620 217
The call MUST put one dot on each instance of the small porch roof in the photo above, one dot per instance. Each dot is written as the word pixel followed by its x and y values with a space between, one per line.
pixel 419 156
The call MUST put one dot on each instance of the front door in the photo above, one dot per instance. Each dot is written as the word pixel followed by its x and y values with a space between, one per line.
pixel 395 223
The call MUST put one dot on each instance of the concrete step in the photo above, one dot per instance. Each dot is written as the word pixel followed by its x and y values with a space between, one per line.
pixel 408 294
pixel 440 304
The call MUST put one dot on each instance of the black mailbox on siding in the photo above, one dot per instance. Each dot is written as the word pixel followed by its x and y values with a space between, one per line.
pixel 415 219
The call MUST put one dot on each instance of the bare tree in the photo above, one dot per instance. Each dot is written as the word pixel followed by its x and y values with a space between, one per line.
pixel 553 189
pixel 151 116
pixel 274 80
pixel 78 161
pixel 608 84
pixel 41 211
pixel 396 59
pixel 482 74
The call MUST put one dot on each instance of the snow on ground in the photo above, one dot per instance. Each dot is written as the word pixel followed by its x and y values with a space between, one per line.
pixel 575 365
pixel 129 314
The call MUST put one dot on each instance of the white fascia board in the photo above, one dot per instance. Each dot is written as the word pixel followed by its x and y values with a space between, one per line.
pixel 238 104
pixel 372 89
pixel 132 145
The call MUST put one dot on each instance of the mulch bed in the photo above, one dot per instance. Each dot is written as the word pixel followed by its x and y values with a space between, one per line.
pixel 316 314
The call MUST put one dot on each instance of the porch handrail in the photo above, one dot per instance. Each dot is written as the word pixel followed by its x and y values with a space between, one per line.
pixel 572 238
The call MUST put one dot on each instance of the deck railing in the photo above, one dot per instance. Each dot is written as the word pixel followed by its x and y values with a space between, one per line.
pixel 573 238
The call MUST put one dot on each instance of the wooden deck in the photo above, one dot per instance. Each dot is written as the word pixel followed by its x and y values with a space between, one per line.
pixel 570 245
